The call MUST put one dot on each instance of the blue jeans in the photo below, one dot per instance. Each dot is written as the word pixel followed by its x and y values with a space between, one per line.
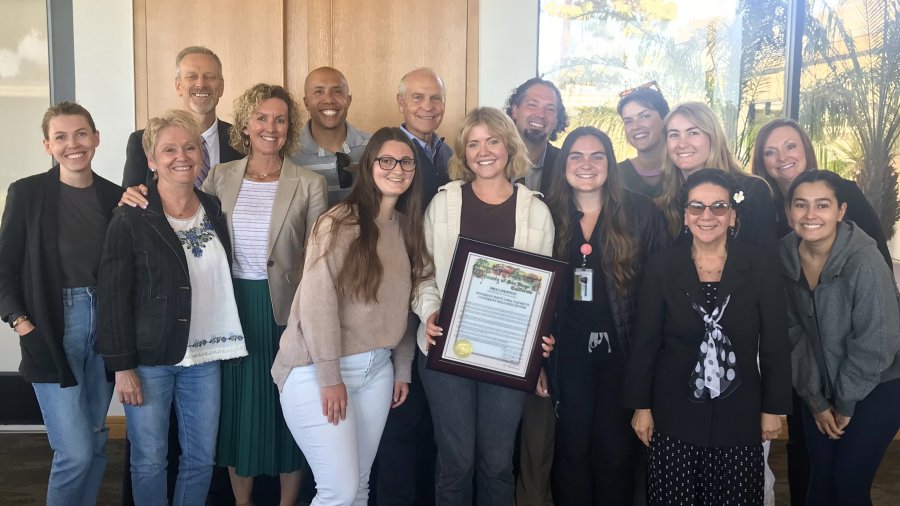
pixel 196 391
pixel 475 433
pixel 341 455
pixel 75 417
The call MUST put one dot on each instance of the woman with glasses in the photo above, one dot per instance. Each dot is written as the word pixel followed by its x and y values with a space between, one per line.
pixel 606 233
pixel 695 140
pixel 342 364
pixel 475 422
pixel 703 403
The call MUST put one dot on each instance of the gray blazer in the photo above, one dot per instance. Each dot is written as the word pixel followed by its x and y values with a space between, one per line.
pixel 845 334
pixel 299 200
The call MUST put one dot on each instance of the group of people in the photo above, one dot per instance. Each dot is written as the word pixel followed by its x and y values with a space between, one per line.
pixel 264 294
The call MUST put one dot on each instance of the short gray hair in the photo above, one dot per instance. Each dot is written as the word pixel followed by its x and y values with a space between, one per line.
pixel 196 50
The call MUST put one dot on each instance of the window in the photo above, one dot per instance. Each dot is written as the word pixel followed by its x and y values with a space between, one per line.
pixel 728 54
pixel 731 55
pixel 24 89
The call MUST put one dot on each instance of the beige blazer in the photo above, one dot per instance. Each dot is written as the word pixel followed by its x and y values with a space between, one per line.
pixel 301 197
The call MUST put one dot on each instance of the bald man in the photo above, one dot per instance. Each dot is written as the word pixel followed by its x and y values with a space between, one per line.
pixel 326 95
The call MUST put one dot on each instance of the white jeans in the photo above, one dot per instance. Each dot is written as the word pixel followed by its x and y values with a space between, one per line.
pixel 341 455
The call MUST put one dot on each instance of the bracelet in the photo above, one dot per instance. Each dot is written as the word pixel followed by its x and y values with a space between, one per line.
pixel 17 321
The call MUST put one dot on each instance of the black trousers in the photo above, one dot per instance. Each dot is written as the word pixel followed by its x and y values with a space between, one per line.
pixel 797 455
pixel 596 449
pixel 403 472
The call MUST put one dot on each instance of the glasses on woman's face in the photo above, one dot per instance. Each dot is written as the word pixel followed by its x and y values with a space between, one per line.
pixel 389 162
pixel 718 208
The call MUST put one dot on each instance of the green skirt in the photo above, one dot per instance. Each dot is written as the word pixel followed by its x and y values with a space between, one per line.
pixel 253 437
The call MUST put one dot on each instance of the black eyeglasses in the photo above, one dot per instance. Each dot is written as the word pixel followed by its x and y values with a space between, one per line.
pixel 718 208
pixel 389 162
pixel 653 85
pixel 342 161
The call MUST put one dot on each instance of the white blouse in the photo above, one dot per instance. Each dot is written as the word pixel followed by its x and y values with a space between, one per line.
pixel 215 332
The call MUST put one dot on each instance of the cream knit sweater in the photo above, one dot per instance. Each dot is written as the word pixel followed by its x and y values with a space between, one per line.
pixel 324 325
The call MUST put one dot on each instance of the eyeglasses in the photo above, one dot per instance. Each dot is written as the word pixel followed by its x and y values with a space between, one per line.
pixel 718 208
pixel 652 85
pixel 389 162
pixel 342 161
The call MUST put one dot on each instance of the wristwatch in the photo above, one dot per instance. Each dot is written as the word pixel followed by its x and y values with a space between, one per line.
pixel 17 321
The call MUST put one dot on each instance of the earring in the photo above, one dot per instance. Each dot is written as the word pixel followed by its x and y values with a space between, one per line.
pixel 685 230
pixel 247 142
pixel 731 231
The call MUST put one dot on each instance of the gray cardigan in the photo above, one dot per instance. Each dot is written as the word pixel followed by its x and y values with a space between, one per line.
pixel 845 334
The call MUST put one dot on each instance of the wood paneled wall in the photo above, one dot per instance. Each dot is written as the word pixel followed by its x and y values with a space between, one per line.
pixel 373 42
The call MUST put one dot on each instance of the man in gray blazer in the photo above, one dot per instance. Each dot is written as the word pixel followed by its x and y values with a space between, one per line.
pixel 199 83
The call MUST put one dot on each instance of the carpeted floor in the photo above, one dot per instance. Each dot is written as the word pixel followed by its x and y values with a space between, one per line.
pixel 25 465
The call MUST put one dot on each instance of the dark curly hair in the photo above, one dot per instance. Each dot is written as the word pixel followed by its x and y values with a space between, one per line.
pixel 518 94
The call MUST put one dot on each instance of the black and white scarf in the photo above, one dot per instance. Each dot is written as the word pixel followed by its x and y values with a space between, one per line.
pixel 716 373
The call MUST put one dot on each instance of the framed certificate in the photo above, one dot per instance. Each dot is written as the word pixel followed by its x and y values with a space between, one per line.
pixel 497 305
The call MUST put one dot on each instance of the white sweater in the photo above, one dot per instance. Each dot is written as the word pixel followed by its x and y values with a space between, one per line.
pixel 534 233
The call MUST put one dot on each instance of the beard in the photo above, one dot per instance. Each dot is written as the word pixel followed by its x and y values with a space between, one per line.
pixel 533 136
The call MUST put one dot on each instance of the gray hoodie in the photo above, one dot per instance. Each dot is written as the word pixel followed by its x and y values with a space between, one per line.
pixel 845 334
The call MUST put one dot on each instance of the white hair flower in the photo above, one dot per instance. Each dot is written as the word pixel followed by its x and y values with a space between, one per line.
pixel 738 196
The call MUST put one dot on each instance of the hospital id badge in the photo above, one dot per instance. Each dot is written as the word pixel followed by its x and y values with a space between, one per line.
pixel 583 285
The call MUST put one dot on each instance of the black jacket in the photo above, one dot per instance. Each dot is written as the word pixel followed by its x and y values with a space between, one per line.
pixel 138 172
pixel 548 167
pixel 31 275
pixel 144 288
pixel 667 341
pixel 649 229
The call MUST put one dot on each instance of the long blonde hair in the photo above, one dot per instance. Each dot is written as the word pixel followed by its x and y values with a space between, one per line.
pixel 720 157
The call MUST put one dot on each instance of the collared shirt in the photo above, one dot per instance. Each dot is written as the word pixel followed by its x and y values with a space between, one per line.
pixel 430 149
pixel 211 136
pixel 532 179
pixel 320 160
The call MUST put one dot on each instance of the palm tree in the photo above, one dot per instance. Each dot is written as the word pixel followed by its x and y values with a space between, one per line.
pixel 855 88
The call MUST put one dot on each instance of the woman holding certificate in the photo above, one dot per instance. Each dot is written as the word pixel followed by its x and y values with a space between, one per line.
pixel 709 368
pixel 605 233
pixel 475 421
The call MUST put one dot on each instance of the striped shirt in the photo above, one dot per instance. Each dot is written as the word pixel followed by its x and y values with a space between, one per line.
pixel 250 220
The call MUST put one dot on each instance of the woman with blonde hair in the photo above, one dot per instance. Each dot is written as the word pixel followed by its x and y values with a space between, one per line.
pixel 167 315
pixel 475 422
pixel 695 140
pixel 271 205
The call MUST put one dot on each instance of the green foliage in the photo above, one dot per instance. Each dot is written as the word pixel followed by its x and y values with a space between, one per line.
pixel 853 94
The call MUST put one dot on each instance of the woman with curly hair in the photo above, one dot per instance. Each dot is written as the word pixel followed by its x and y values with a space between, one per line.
pixel 271 205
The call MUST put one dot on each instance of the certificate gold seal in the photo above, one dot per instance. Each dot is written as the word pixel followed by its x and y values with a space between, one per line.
pixel 462 348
